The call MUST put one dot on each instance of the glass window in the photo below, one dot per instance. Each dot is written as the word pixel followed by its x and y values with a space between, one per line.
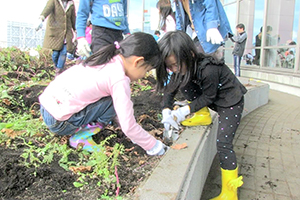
pixel 143 17
pixel 280 31
pixel 257 29
pixel 296 20
pixel 135 15
pixel 230 10
pixel 151 16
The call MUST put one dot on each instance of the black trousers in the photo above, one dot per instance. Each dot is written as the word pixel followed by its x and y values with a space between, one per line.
pixel 102 36
pixel 229 120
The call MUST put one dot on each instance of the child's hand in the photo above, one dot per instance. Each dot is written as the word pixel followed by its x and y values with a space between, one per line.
pixel 180 113
pixel 38 25
pixel 159 149
pixel 83 48
pixel 168 119
pixel 214 36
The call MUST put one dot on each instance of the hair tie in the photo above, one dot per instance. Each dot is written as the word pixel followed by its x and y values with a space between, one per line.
pixel 117 44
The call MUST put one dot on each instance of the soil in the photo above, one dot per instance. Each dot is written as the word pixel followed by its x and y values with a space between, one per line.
pixel 51 181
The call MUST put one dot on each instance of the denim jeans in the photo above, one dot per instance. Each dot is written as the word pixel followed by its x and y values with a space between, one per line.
pixel 101 111
pixel 59 57
pixel 237 65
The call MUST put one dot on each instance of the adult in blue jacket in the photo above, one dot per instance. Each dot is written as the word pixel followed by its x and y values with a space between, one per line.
pixel 208 21
pixel 109 20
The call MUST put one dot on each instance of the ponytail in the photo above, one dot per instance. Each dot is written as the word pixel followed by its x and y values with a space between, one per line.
pixel 136 44
pixel 102 56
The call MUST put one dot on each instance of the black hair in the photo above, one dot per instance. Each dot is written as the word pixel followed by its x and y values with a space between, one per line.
pixel 136 44
pixel 157 32
pixel 269 28
pixel 179 44
pixel 240 26
pixel 165 10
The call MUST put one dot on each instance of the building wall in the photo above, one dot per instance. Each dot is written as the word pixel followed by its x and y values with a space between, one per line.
pixel 281 15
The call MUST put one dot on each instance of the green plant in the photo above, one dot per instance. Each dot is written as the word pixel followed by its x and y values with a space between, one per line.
pixel 29 154
pixel 25 123
pixel 103 163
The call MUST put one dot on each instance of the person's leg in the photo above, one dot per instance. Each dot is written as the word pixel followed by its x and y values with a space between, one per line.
pixel 229 120
pixel 62 57
pixel 239 66
pixel 84 124
pixel 96 116
pixel 55 55
pixel 61 60
pixel 102 36
pixel 101 111
pixel 236 65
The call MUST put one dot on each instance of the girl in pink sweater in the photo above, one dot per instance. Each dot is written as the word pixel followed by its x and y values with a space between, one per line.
pixel 86 97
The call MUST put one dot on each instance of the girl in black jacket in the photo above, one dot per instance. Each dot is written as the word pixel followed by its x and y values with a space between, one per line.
pixel 204 82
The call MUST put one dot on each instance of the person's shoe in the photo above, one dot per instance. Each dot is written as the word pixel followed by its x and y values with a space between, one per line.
pixel 230 183
pixel 199 118
pixel 84 137
pixel 58 71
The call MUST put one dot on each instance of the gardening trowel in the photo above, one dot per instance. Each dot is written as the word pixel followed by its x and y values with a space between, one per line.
pixel 171 135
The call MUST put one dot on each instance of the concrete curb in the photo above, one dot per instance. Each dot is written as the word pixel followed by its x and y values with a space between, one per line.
pixel 181 174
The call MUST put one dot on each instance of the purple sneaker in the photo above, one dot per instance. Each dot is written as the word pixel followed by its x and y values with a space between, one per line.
pixel 84 137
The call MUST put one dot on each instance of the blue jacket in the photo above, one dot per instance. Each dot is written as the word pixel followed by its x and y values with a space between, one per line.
pixel 105 13
pixel 206 14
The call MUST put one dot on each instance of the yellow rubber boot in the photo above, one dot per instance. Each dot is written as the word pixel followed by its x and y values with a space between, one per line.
pixel 230 183
pixel 200 118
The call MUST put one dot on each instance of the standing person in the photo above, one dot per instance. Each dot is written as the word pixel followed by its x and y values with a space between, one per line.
pixel 109 19
pixel 156 35
pixel 258 44
pixel 239 47
pixel 208 22
pixel 203 81
pixel 270 54
pixel 166 15
pixel 86 97
pixel 60 30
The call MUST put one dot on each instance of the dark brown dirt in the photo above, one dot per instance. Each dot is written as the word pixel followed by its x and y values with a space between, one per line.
pixel 50 181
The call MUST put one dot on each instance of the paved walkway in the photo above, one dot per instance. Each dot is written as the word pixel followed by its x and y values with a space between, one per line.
pixel 267 145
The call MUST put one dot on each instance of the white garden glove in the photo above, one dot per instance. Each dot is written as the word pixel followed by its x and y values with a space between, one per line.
pixel 83 47
pixel 158 149
pixel 38 25
pixel 180 114
pixel 214 36
pixel 168 119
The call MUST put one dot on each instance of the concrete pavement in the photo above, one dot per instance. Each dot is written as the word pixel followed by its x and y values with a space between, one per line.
pixel 267 145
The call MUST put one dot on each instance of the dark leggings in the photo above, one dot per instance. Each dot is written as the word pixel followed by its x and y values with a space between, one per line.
pixel 229 120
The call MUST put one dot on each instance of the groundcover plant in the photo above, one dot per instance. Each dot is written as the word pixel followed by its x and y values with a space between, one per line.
pixel 36 164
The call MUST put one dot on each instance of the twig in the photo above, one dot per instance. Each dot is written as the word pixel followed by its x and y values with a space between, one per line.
pixel 18 72
pixel 31 107
pixel 118 182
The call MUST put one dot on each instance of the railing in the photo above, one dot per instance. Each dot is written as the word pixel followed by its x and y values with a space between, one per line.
pixel 23 35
